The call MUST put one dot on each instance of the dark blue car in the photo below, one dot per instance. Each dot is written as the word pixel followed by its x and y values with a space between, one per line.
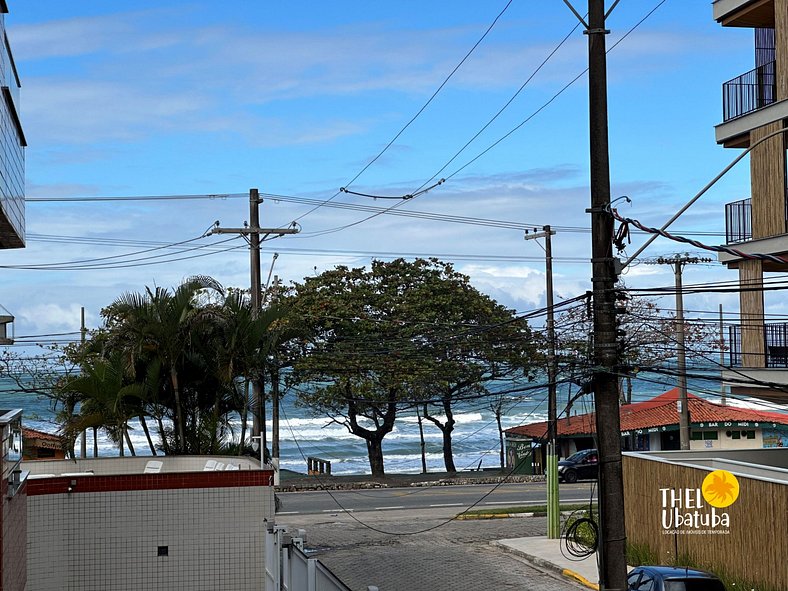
pixel 670 578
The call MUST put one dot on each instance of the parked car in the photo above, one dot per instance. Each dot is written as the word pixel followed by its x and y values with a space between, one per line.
pixel 671 578
pixel 582 464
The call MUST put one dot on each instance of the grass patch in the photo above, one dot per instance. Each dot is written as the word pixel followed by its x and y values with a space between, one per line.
pixel 535 509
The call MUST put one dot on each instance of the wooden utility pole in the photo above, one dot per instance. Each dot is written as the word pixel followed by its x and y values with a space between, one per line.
pixel 612 530
pixel 553 501
pixel 678 262
pixel 253 232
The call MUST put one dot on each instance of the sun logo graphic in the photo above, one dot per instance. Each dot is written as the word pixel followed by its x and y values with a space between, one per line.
pixel 720 489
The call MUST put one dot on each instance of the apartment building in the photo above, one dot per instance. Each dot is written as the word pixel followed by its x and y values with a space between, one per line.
pixel 755 109
pixel 12 164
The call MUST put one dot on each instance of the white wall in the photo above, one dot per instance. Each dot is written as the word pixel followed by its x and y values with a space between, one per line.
pixel 109 540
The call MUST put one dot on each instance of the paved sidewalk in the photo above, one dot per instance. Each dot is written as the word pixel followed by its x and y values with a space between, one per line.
pixel 547 554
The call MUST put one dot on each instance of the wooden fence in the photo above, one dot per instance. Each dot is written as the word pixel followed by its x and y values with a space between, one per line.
pixel 754 551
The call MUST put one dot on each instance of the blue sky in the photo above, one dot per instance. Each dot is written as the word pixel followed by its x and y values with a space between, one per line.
pixel 134 98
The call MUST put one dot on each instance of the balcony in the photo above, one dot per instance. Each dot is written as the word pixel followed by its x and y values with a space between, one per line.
pixel 749 92
pixel 738 221
pixel 775 336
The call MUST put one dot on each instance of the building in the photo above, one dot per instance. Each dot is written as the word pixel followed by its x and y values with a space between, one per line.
pixel 755 106
pixel 37 445
pixel 653 425
pixel 12 164
pixel 13 504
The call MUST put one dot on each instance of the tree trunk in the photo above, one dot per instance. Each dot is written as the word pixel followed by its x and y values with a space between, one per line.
pixel 422 444
pixel 95 442
pixel 215 417
pixel 180 439
pixel 128 440
pixel 500 436
pixel 375 453
pixel 164 443
pixel 244 418
pixel 147 434
pixel 446 430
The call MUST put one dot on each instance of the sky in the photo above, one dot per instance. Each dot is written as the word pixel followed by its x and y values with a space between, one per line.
pixel 297 99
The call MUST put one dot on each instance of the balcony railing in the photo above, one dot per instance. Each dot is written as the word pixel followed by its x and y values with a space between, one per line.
pixel 775 337
pixel 738 221
pixel 749 92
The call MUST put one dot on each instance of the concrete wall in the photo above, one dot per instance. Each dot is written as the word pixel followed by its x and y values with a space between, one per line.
pixel 186 531
pixel 13 524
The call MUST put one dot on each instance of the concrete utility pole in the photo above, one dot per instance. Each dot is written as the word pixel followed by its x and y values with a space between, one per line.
pixel 83 441
pixel 553 499
pixel 275 398
pixel 678 263
pixel 612 531
pixel 253 232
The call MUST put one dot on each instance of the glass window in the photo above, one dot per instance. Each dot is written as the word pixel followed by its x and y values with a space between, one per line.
pixel 710 435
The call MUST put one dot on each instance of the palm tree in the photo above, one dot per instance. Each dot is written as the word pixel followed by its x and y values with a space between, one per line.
pixel 104 398
pixel 159 324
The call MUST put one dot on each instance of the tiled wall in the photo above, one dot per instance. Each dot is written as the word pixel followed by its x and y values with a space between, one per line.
pixel 187 531
pixel 13 525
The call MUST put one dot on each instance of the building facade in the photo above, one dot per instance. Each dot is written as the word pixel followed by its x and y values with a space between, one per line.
pixel 653 425
pixel 755 108
pixel 12 163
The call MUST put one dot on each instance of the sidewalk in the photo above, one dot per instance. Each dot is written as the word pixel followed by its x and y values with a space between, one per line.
pixel 547 554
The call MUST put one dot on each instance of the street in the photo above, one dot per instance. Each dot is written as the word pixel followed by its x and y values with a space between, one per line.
pixel 458 498
pixel 410 549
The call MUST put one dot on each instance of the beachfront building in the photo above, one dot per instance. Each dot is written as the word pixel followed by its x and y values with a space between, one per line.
pixel 13 504
pixel 653 425
pixel 755 107
pixel 38 445
pixel 12 164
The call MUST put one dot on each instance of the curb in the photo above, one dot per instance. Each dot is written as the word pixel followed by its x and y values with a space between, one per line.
pixel 547 565
pixel 466 517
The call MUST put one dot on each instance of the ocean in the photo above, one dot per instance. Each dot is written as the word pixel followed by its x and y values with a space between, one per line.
pixel 302 434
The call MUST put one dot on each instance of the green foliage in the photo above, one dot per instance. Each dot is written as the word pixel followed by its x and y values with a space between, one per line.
pixel 176 356
pixel 374 341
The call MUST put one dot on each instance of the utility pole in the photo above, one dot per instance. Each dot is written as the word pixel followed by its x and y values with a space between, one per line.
pixel 252 234
pixel 83 441
pixel 612 530
pixel 678 262
pixel 553 500
pixel 724 400
pixel 275 398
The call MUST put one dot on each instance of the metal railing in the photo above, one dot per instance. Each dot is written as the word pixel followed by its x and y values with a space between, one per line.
pixel 738 221
pixel 775 337
pixel 749 92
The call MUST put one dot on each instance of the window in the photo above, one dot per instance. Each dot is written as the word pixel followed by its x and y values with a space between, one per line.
pixel 44 452
pixel 735 434
pixel 748 434
pixel 710 435
pixel 696 435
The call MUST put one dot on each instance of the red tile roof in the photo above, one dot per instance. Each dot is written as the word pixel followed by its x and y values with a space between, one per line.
pixel 28 433
pixel 657 412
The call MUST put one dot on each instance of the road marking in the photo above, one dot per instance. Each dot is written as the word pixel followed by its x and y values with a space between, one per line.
pixel 287 512
pixel 500 502
pixel 395 507
pixel 447 505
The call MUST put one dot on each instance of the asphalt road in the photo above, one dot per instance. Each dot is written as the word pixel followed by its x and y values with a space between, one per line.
pixel 454 498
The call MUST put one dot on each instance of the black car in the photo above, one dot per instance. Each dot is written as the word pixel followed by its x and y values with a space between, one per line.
pixel 582 464
pixel 671 578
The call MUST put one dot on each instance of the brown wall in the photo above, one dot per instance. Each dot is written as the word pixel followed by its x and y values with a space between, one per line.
pixel 767 173
pixel 755 549
pixel 751 305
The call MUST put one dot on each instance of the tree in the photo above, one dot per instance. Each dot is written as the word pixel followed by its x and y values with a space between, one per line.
pixel 648 337
pixel 399 334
